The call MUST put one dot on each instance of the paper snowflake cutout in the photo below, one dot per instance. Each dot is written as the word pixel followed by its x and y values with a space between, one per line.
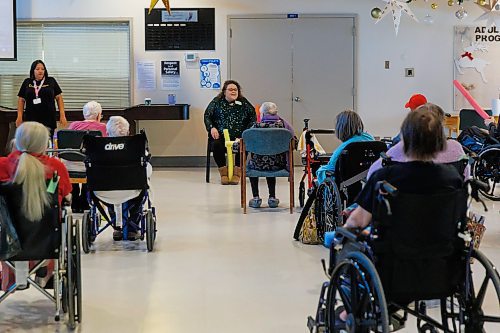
pixel 396 7
pixel 491 13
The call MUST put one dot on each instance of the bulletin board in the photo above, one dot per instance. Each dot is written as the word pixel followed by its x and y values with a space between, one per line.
pixel 184 29
pixel 476 58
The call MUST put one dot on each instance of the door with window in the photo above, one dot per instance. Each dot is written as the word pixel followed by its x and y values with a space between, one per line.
pixel 306 65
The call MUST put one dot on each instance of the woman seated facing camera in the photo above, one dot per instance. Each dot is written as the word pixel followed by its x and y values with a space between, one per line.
pixel 348 128
pixel 28 166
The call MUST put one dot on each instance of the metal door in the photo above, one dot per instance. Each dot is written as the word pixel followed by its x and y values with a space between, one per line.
pixel 305 65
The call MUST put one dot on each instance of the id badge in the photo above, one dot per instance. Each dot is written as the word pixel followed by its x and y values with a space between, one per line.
pixel 37 100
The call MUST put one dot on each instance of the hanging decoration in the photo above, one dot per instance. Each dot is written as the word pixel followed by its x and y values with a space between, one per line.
pixel 166 3
pixel 396 7
pixel 491 11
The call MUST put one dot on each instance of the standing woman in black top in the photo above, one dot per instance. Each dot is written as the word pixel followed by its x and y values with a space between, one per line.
pixel 36 99
pixel 228 110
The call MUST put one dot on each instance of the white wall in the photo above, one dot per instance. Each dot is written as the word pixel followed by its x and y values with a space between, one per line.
pixel 381 93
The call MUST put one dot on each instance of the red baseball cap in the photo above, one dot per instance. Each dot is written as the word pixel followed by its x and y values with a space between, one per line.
pixel 415 101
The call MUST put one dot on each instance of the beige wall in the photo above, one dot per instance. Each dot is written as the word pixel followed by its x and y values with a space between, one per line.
pixel 381 93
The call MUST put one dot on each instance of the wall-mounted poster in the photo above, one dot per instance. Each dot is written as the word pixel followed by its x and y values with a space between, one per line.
pixel 170 75
pixel 210 73
pixel 476 60
pixel 145 75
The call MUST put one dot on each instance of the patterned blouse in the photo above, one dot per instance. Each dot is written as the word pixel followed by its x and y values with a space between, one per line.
pixel 236 116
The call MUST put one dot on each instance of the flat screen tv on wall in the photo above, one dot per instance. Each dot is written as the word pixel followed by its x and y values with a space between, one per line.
pixel 8 47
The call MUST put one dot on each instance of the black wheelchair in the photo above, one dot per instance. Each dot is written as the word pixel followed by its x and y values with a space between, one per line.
pixel 339 189
pixel 117 164
pixel 484 151
pixel 419 248
pixel 56 237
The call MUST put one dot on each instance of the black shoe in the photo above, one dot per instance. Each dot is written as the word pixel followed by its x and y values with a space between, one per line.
pixel 117 235
pixel 132 236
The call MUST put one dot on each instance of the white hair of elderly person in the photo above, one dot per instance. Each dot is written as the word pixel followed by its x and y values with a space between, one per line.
pixel 118 126
pixel 92 111
pixel 268 108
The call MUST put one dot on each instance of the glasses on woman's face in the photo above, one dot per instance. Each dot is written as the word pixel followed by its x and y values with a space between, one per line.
pixel 232 89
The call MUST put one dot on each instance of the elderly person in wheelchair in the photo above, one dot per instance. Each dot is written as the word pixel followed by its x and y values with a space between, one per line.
pixel 118 126
pixel 417 247
pixel 118 173
pixel 29 167
pixel 453 151
pixel 348 128
pixel 33 188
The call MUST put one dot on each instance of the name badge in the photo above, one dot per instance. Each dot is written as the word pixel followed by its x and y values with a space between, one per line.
pixel 37 100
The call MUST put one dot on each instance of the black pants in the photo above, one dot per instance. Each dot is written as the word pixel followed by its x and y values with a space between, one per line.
pixel 219 152
pixel 79 201
pixel 271 185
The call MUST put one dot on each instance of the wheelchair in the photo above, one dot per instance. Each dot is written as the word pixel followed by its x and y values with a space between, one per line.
pixel 484 151
pixel 56 237
pixel 486 168
pixel 340 188
pixel 419 248
pixel 117 164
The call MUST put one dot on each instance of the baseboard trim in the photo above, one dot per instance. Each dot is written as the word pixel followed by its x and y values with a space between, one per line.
pixel 180 161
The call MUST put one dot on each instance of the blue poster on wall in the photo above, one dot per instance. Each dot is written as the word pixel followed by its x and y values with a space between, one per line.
pixel 210 73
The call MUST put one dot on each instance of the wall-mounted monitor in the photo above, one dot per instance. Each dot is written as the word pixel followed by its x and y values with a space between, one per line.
pixel 8 47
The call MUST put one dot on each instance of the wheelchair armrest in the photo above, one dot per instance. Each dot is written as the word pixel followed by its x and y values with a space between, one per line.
pixel 347 233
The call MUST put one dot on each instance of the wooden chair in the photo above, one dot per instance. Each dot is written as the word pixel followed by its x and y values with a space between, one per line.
pixel 266 141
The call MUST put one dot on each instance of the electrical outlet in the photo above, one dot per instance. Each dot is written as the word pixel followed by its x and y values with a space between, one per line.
pixel 386 65
pixel 409 72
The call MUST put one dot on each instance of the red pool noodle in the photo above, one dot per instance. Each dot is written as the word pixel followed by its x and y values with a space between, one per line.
pixel 471 100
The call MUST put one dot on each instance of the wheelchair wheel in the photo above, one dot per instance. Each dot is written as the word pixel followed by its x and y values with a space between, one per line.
pixel 86 232
pixel 328 208
pixel 474 314
pixel 487 169
pixel 150 230
pixel 69 284
pixel 355 286
pixel 302 194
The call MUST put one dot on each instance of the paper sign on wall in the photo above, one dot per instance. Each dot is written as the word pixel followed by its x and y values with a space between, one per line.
pixel 210 73
pixel 145 78
pixel 170 75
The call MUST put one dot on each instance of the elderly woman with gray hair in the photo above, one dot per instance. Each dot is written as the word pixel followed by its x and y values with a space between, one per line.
pixel 349 128
pixel 92 113
pixel 270 118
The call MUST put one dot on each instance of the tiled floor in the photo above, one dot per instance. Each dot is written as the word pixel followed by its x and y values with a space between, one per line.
pixel 214 270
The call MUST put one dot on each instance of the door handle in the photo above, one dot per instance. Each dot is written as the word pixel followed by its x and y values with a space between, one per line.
pixel 297 99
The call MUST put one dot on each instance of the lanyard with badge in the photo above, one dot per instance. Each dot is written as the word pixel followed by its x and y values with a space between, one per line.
pixel 37 99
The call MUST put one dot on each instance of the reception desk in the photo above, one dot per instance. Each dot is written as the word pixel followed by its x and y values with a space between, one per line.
pixel 132 114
